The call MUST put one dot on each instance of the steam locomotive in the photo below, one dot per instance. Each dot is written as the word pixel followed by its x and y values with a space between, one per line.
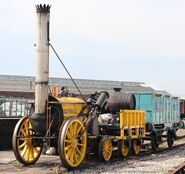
pixel 101 124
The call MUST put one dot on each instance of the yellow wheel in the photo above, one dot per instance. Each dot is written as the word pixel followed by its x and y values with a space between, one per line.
pixel 23 148
pixel 136 146
pixel 72 143
pixel 124 148
pixel 105 149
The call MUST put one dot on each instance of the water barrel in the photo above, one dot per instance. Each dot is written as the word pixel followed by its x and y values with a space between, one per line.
pixel 119 100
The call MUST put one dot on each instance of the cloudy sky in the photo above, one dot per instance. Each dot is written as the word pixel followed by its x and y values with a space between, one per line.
pixel 124 40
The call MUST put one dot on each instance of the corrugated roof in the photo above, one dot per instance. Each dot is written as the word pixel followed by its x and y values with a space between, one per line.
pixel 87 86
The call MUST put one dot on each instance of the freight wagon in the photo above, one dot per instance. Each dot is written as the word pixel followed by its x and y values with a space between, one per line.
pixel 162 117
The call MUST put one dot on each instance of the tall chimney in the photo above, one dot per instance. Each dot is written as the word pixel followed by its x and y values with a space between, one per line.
pixel 42 58
pixel 42 67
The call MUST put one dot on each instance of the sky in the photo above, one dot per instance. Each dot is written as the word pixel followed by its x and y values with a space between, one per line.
pixel 121 40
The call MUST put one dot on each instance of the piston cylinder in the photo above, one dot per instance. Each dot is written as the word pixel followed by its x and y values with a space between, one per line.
pixel 101 100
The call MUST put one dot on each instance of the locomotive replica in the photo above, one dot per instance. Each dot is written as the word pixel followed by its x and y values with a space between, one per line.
pixel 102 124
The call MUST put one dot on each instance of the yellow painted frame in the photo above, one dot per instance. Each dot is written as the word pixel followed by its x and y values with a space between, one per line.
pixel 132 120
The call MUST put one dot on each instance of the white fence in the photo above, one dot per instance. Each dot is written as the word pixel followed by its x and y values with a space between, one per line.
pixel 14 107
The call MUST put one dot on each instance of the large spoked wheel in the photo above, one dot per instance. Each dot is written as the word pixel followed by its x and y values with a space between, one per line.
pixel 124 148
pixel 154 143
pixel 170 139
pixel 105 148
pixel 136 146
pixel 72 143
pixel 23 148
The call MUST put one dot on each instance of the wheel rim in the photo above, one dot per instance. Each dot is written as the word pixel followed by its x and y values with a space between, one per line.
pixel 107 149
pixel 75 142
pixel 136 147
pixel 154 143
pixel 124 149
pixel 170 140
pixel 27 152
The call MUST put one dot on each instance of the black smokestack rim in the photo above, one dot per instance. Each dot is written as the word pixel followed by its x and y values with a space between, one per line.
pixel 43 8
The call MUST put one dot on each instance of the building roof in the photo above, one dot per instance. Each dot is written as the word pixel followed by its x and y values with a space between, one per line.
pixel 87 86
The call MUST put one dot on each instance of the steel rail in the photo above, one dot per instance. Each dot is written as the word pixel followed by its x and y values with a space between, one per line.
pixel 178 170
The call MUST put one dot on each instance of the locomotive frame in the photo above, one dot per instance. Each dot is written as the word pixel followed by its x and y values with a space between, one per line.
pixel 76 136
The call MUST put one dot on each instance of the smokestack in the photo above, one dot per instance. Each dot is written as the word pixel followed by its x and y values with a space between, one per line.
pixel 42 67
pixel 42 58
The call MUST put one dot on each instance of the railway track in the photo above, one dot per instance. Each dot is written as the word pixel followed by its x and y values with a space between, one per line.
pixel 177 139
pixel 159 150
pixel 100 167
pixel 178 170
pixel 148 145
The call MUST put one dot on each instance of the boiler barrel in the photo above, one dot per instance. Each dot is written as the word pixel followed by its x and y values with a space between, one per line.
pixel 118 101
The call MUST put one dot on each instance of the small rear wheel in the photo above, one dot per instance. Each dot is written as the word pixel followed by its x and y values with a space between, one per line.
pixel 170 139
pixel 24 150
pixel 124 148
pixel 72 143
pixel 136 146
pixel 105 149
pixel 154 143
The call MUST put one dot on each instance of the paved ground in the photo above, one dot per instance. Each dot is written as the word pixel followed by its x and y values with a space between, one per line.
pixel 45 165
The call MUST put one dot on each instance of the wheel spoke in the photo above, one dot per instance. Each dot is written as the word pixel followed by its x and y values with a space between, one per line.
pixel 22 145
pixel 108 151
pixel 68 153
pixel 68 147
pixel 69 136
pixel 77 132
pixel 104 152
pixel 35 149
pixel 23 138
pixel 31 153
pixel 79 144
pixel 71 158
pixel 74 127
pixel 78 151
pixel 24 151
pixel 67 141
pixel 109 143
pixel 75 156
pixel 105 155
pixel 28 153
pixel 70 130
pixel 26 126
pixel 23 132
